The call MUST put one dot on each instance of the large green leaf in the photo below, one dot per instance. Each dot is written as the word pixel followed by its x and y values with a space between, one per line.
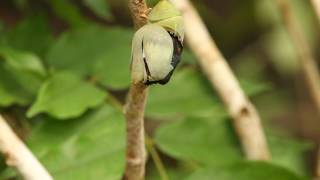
pixel 187 93
pixel 31 34
pixel 23 61
pixel 245 171
pixel 198 140
pixel 17 86
pixel 95 51
pixel 212 141
pixel 90 147
pixel 65 95
pixel 289 152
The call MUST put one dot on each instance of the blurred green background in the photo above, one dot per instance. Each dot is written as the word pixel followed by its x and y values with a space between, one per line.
pixel 64 73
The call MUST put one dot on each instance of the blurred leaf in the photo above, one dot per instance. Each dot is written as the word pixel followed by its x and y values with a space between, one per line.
pixel 90 147
pixel 99 7
pixel 31 34
pixel 188 57
pixel 281 51
pixel 16 86
pixel 200 141
pixel 95 51
pixel 187 93
pixel 277 42
pixel 289 152
pixel 212 141
pixel 245 171
pixel 21 4
pixel 23 61
pixel 64 96
pixel 69 12
pixel 254 87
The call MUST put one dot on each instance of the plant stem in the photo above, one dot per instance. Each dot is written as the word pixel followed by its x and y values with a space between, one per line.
pixel 134 109
pixel 245 117
pixel 134 112
pixel 307 61
pixel 17 155
pixel 316 6
pixel 156 159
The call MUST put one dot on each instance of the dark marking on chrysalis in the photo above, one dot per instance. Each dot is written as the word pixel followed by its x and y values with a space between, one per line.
pixel 177 51
pixel 145 62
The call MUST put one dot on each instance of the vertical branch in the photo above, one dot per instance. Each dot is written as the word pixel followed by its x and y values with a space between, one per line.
pixel 307 61
pixel 316 6
pixel 134 110
pixel 245 117
pixel 138 10
pixel 18 156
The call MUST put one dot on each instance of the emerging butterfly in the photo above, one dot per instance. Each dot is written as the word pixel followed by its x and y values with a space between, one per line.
pixel 157 46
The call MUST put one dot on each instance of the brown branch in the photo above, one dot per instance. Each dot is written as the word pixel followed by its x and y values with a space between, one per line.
pixel 316 6
pixel 138 10
pixel 245 118
pixel 18 156
pixel 307 61
pixel 134 110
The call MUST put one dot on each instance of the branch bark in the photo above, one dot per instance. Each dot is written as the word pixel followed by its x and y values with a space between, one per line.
pixel 18 156
pixel 245 117
pixel 134 110
pixel 316 6
pixel 307 61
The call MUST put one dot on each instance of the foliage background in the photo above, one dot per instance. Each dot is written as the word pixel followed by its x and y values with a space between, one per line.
pixel 64 68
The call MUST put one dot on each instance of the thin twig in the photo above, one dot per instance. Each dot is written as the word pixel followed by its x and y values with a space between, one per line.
pixel 156 159
pixel 134 110
pixel 246 119
pixel 307 61
pixel 18 156
pixel 316 6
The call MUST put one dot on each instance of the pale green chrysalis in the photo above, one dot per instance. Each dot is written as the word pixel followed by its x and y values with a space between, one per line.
pixel 157 46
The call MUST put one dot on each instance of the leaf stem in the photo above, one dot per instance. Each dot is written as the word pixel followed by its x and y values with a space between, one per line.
pixel 156 158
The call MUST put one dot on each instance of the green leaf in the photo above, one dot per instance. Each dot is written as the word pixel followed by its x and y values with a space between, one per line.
pixel 294 158
pixel 95 51
pixel 201 141
pixel 31 34
pixel 187 93
pixel 212 141
pixel 64 96
pixel 17 86
pixel 90 147
pixel 245 171
pixel 23 61
pixel 188 57
pixel 99 7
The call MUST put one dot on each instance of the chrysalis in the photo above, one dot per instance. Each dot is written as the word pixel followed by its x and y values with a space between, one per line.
pixel 157 46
